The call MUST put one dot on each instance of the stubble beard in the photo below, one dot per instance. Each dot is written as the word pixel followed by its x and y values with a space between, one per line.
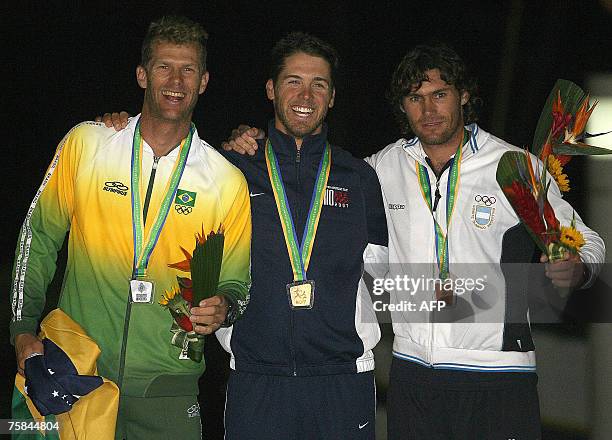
pixel 297 130
pixel 436 139
pixel 157 111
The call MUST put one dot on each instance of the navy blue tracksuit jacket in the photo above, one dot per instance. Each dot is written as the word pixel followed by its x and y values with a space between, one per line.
pixel 271 337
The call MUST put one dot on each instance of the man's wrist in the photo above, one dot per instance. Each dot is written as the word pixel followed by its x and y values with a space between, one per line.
pixel 21 335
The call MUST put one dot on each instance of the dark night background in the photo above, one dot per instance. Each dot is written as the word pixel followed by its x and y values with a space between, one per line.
pixel 69 61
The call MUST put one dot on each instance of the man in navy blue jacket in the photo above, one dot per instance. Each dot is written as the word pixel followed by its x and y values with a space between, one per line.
pixel 302 353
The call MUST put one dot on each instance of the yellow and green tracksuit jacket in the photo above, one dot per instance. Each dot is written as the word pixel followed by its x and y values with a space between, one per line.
pixel 86 190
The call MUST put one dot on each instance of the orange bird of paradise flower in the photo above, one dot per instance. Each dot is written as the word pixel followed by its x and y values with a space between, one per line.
pixel 582 116
pixel 560 122
pixel 185 265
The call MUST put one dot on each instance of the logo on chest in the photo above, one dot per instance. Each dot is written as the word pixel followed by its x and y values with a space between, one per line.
pixel 337 197
pixel 184 201
pixel 114 186
pixel 483 211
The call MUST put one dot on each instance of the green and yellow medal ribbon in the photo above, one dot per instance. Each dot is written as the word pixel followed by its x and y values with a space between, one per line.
pixel 143 246
pixel 452 190
pixel 299 254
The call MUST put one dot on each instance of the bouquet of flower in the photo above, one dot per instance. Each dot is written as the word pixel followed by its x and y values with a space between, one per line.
pixel 559 136
pixel 561 131
pixel 204 266
pixel 526 189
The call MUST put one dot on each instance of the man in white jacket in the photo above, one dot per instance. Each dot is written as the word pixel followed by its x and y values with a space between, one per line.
pixel 466 370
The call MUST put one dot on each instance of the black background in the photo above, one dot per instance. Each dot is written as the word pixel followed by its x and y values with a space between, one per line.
pixel 69 61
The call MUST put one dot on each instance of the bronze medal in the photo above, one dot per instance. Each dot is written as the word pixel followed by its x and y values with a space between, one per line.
pixel 445 294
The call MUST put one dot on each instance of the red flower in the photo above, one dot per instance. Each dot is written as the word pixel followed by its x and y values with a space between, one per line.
pixel 561 121
pixel 549 215
pixel 186 286
pixel 526 207
pixel 557 106
pixel 184 322
pixel 560 118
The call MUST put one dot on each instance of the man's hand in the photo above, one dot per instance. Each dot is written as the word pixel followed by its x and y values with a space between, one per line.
pixel 210 314
pixel 26 345
pixel 567 272
pixel 243 140
pixel 117 120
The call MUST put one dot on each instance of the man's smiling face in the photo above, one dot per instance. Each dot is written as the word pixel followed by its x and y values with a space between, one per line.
pixel 302 95
pixel 173 81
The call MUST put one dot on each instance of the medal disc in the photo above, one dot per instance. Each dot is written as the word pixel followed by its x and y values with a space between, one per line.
pixel 301 294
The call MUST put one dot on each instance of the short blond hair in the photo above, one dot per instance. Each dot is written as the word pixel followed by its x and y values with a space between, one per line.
pixel 177 30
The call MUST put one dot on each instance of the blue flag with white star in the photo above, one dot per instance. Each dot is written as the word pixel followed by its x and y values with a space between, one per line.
pixel 53 383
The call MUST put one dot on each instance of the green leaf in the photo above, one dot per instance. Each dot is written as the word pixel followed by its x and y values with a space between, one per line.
pixel 206 267
pixel 512 167
pixel 571 97
pixel 195 349
pixel 574 150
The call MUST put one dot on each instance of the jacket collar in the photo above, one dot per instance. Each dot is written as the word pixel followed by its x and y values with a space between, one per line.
pixel 131 127
pixel 284 144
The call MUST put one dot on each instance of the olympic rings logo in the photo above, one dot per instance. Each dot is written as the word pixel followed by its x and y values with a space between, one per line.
pixel 487 200
pixel 183 209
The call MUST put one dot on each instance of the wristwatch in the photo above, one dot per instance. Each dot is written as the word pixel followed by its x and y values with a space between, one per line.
pixel 232 312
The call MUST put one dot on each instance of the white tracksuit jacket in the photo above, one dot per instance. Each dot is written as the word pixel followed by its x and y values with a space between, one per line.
pixel 490 327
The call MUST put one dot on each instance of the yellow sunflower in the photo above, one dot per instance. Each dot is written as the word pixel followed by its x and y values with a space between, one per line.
pixel 556 170
pixel 571 238
pixel 167 296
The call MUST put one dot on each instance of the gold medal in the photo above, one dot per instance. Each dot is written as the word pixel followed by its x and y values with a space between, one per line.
pixel 301 291
pixel 301 294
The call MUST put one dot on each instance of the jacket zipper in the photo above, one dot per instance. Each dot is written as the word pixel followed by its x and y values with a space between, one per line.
pixel 432 317
pixel 437 197
pixel 297 216
pixel 128 310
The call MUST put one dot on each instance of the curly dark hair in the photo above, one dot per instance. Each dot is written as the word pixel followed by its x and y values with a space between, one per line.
pixel 411 72
pixel 296 42
pixel 177 30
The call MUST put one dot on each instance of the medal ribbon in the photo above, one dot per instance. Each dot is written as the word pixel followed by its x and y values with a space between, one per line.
pixel 143 246
pixel 299 255
pixel 452 191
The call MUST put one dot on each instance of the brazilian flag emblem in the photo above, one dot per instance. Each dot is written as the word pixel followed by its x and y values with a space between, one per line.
pixel 185 198
pixel 184 201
